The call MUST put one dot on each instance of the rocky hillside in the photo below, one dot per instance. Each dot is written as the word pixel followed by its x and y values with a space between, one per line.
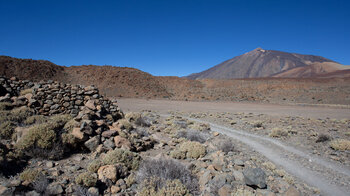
pixel 62 139
pixel 128 82
pixel 259 63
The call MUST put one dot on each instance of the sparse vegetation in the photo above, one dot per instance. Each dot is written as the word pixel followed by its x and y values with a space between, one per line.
pixel 323 138
pixel 6 129
pixel 340 144
pixel 189 149
pixel 29 175
pixel 94 165
pixel 35 119
pixel 87 179
pixel 193 135
pixel 129 159
pixel 165 176
pixel 278 132
pixel 40 184
pixel 225 145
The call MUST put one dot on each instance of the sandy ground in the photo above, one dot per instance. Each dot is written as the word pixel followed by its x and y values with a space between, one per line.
pixel 235 107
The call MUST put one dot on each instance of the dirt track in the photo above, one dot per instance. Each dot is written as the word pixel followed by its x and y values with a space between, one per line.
pixel 235 107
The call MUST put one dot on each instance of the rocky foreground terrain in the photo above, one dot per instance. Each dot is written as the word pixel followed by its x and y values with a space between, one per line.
pixel 61 139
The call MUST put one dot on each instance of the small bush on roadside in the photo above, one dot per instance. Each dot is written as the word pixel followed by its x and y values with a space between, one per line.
pixel 323 138
pixel 29 175
pixel 129 159
pixel 278 132
pixel 165 175
pixel 340 144
pixel 189 149
pixel 86 179
pixel 193 135
pixel 225 145
pixel 257 123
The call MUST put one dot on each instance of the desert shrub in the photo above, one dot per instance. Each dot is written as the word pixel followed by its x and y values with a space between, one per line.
pixel 125 124
pixel 323 138
pixel 141 132
pixel 257 123
pixel 278 132
pixel 68 139
pixel 70 125
pixel 199 126
pixel 29 175
pixel 6 129
pixel 225 145
pixel 171 188
pixel 142 121
pixel 340 144
pixel 94 165
pixel 5 106
pixel 40 184
pixel 189 149
pixel 26 91
pixel 155 175
pixel 87 179
pixel 193 135
pixel 129 159
pixel 21 113
pixel 35 119
pixel 43 140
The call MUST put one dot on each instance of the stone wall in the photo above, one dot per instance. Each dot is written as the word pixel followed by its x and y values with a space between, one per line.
pixel 51 97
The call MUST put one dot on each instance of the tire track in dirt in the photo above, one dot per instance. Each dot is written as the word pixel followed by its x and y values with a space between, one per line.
pixel 314 171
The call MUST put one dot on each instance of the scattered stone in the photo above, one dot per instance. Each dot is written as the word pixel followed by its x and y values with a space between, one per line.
pixel 92 143
pixel 107 171
pixel 54 189
pixel 255 177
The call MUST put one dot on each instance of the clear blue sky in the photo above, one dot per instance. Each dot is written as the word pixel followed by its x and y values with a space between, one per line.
pixel 171 37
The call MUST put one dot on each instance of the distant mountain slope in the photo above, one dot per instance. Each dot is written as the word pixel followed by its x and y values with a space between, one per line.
pixel 29 69
pixel 112 81
pixel 313 70
pixel 258 63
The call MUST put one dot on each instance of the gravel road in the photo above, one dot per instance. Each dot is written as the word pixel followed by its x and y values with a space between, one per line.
pixel 328 176
pixel 235 107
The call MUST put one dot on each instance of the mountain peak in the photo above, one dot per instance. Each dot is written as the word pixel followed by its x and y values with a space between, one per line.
pixel 254 65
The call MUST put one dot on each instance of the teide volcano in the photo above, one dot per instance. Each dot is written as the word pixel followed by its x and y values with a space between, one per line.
pixel 260 63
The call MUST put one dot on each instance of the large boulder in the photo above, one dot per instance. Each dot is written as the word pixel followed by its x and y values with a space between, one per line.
pixel 255 177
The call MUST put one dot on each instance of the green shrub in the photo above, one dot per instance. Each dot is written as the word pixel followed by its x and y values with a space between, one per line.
pixel 6 129
pixel 189 149
pixel 87 179
pixel 29 175
pixel 68 139
pixel 43 138
pixel 340 144
pixel 129 159
pixel 21 113
pixel 35 119
pixel 94 165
